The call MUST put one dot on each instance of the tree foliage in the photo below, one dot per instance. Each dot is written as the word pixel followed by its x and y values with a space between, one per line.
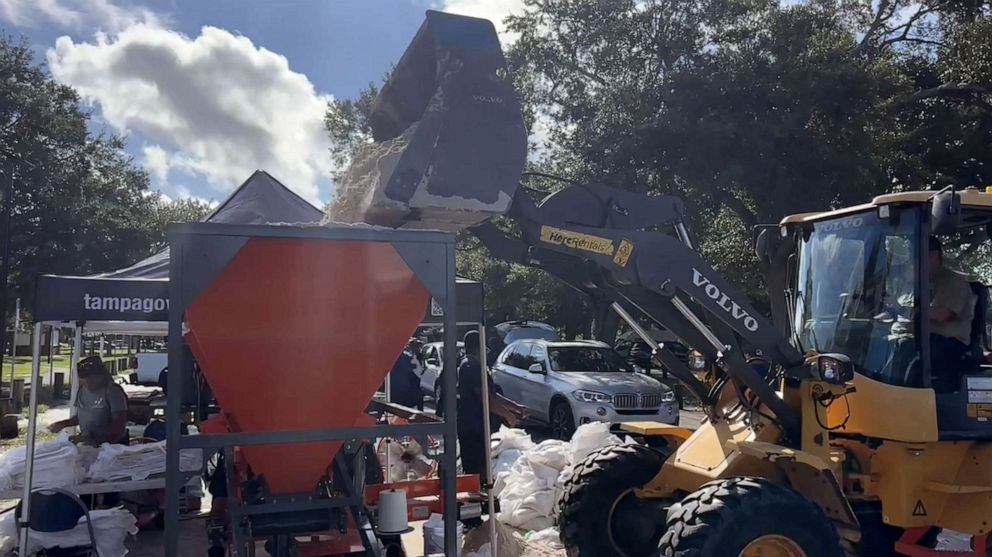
pixel 748 109
pixel 80 204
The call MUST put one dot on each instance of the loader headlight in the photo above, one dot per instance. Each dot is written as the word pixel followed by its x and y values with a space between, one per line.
pixel 591 396
pixel 696 361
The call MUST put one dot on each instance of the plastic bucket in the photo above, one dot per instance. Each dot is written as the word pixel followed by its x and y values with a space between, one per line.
pixel 434 538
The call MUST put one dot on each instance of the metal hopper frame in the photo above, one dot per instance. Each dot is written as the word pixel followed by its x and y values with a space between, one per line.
pixel 199 253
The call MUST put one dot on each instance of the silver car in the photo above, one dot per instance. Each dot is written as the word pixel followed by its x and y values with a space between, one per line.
pixel 433 357
pixel 566 384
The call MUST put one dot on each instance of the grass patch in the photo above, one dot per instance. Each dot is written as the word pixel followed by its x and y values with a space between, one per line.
pixel 22 366
pixel 41 436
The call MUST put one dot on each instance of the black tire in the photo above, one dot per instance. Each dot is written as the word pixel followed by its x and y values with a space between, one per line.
pixel 724 517
pixel 562 421
pixel 598 514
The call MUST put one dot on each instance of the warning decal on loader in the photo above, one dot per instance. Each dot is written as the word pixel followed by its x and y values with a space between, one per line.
pixel 919 509
pixel 576 240
pixel 623 253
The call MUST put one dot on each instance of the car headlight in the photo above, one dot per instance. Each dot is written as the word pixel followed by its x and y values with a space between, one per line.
pixel 696 361
pixel 591 396
pixel 668 397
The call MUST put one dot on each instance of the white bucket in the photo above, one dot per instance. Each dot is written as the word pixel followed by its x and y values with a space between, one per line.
pixel 434 536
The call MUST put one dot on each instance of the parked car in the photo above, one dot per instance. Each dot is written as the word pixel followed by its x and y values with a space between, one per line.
pixel 433 358
pixel 567 384
pixel 509 332
pixel 148 366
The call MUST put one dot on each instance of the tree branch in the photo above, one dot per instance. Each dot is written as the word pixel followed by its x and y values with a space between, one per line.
pixel 971 92
pixel 738 207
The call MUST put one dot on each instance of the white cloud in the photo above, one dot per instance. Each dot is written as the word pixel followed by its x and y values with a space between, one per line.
pixel 104 15
pixel 214 106
pixel 493 10
pixel 156 161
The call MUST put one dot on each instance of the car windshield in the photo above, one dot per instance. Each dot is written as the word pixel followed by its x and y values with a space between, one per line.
pixel 523 333
pixel 856 293
pixel 585 359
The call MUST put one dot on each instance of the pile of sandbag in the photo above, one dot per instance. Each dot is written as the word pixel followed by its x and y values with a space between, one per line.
pixel 110 528
pixel 138 462
pixel 529 477
pixel 57 463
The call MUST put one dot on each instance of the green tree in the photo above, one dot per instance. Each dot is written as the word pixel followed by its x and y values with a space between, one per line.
pixel 80 203
pixel 166 212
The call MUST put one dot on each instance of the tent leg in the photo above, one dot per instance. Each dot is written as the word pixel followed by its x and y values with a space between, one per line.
pixel 32 432
pixel 77 349
pixel 487 432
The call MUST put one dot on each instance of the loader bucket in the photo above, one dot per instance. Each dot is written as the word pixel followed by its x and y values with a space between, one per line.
pixel 449 139
pixel 297 335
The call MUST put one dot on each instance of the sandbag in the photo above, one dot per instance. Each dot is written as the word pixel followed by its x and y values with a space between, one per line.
pixel 56 464
pixel 138 462
pixel 111 528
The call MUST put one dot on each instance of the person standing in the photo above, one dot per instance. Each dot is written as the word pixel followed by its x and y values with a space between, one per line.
pixel 101 406
pixel 404 383
pixel 471 435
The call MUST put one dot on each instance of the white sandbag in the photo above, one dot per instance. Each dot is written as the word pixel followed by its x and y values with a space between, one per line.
pixel 138 462
pixel 528 495
pixel 56 464
pixel 505 461
pixel 548 536
pixel 589 438
pixel 552 453
pixel 8 533
pixel 510 438
pixel 110 528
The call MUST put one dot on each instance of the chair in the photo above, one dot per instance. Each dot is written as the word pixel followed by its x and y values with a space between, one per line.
pixel 57 510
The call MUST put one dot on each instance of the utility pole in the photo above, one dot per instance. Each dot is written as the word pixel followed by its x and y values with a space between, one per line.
pixel 8 207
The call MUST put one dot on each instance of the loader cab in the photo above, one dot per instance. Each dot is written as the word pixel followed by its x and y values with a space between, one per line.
pixel 859 284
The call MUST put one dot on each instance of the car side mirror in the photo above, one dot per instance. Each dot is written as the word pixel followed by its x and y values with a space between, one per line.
pixel 433 362
pixel 536 368
pixel 945 213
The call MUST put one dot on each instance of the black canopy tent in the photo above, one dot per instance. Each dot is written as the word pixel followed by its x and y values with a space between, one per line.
pixel 135 299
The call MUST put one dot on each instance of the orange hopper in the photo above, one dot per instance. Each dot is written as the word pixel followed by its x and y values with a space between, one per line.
pixel 297 334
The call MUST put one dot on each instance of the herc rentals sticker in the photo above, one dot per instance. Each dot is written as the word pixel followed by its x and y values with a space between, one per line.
pixel 576 240
pixel 117 303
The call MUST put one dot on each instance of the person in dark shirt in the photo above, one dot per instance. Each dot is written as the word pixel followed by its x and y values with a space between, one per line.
pixel 404 384
pixel 471 436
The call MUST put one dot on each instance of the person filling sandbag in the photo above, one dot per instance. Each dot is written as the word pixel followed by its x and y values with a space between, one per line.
pixel 101 407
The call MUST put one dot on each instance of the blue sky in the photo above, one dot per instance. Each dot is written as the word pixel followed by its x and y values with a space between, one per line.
pixel 208 91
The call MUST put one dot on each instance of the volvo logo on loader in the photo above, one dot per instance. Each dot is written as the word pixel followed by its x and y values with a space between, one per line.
pixel 724 301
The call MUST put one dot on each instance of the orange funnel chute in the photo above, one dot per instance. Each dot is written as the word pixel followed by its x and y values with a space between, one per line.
pixel 297 334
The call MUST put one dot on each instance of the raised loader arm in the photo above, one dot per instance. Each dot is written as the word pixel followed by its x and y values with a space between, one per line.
pixel 657 273
pixel 449 150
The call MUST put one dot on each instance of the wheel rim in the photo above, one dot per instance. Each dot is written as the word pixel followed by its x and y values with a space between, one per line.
pixel 559 423
pixel 640 527
pixel 772 546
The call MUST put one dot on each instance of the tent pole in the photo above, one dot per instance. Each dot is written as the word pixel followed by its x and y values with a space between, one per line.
pixel 488 433
pixel 32 432
pixel 77 348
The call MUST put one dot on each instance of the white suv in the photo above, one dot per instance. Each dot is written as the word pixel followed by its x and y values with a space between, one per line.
pixel 566 384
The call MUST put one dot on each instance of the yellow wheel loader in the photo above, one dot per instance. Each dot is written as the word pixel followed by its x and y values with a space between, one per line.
pixel 856 436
